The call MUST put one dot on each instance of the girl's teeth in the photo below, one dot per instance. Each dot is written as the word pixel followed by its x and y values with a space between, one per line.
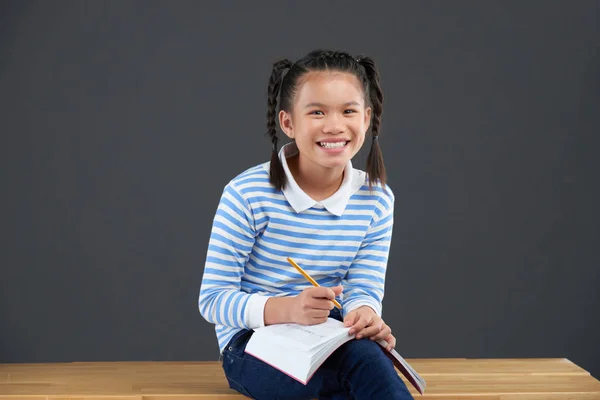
pixel 335 145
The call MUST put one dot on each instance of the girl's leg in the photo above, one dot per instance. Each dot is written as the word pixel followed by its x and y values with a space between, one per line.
pixel 359 369
pixel 365 372
pixel 256 379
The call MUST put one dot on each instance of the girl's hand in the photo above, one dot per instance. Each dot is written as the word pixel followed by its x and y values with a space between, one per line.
pixel 365 322
pixel 313 304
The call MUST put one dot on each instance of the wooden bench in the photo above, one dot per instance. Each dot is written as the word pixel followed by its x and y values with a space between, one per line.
pixel 447 379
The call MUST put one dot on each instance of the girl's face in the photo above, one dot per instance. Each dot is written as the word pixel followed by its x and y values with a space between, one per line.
pixel 328 120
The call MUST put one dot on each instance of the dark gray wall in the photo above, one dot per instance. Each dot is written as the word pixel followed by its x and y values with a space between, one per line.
pixel 122 121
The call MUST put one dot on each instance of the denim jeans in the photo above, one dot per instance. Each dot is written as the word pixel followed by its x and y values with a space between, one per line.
pixel 357 370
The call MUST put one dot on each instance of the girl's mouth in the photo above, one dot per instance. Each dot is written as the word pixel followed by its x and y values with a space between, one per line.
pixel 333 145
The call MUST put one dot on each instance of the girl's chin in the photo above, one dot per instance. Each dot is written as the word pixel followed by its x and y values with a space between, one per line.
pixel 334 164
pixel 329 159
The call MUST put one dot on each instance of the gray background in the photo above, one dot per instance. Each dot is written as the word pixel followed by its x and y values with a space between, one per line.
pixel 122 121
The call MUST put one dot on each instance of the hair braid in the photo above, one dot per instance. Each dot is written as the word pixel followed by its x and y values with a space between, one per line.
pixel 277 174
pixel 375 165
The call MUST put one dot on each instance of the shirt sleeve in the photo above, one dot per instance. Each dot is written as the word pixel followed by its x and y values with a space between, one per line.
pixel 365 280
pixel 221 300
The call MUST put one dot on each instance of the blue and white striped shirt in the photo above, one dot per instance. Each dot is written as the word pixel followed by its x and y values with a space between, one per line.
pixel 344 239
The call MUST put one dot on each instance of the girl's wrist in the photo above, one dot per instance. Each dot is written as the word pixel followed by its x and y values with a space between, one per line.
pixel 278 310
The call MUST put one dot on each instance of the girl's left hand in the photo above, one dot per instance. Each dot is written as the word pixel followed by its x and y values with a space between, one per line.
pixel 365 322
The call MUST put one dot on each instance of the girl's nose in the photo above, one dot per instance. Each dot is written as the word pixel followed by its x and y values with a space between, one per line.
pixel 334 124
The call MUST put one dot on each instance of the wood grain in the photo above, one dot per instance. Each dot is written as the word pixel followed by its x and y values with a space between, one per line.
pixel 447 379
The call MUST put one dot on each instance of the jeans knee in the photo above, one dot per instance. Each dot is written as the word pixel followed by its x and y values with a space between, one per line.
pixel 364 348
pixel 371 374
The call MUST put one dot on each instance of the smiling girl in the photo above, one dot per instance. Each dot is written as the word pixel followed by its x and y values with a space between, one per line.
pixel 311 204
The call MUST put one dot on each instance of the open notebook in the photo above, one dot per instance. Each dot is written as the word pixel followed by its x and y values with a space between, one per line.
pixel 299 350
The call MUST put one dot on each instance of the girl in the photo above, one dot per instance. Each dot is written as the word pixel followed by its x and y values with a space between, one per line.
pixel 310 204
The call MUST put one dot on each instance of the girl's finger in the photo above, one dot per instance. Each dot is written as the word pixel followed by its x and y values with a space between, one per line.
pixel 369 331
pixel 385 332
pixel 320 304
pixel 391 340
pixel 373 327
pixel 359 325
pixel 319 314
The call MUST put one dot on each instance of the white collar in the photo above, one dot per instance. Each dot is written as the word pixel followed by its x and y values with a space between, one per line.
pixel 336 204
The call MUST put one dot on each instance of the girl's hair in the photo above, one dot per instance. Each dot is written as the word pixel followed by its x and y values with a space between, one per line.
pixel 286 88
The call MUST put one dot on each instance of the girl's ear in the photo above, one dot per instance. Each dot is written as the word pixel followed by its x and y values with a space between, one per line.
pixel 368 112
pixel 285 122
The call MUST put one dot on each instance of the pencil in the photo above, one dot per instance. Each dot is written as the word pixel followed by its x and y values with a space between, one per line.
pixel 310 279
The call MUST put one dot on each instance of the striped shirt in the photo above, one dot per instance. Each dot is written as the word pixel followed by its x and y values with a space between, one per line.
pixel 344 239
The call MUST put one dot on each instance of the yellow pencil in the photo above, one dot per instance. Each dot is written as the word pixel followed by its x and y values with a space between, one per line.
pixel 310 279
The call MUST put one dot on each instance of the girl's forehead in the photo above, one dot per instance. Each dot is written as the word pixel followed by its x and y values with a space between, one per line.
pixel 328 83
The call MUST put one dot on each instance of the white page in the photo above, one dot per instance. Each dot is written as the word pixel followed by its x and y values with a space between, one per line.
pixel 297 349
pixel 291 361
pixel 305 337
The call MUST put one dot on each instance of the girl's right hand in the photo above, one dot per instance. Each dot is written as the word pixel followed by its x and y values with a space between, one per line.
pixel 313 304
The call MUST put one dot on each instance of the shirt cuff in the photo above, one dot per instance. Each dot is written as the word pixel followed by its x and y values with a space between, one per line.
pixel 353 305
pixel 255 311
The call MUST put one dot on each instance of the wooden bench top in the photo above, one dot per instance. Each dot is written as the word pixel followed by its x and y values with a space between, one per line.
pixel 447 379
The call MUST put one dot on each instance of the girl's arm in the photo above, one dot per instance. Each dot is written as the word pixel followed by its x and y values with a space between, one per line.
pixel 231 240
pixel 364 283
pixel 221 300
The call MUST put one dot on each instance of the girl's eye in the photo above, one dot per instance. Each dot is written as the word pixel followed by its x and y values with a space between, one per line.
pixel 349 111
pixel 317 112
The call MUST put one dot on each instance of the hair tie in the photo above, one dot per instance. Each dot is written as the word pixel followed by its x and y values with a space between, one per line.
pixel 274 147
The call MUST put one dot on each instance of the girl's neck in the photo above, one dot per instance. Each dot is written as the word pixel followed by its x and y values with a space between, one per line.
pixel 317 182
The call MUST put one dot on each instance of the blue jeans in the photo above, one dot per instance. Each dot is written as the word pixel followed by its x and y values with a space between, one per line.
pixel 357 370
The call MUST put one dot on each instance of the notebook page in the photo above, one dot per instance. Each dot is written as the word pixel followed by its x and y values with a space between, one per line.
pixel 292 362
pixel 306 337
